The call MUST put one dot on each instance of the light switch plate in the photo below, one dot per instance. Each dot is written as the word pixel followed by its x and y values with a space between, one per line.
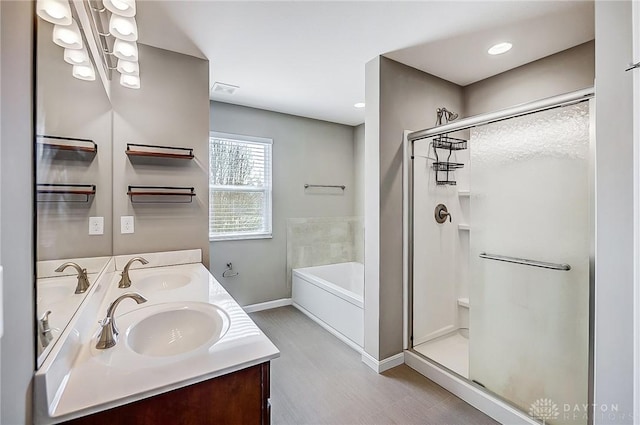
pixel 126 224
pixel 96 225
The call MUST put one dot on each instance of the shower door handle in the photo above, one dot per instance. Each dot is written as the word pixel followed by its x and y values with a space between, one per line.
pixel 525 262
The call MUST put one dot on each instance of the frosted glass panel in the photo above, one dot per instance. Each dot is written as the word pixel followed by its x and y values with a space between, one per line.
pixel 530 199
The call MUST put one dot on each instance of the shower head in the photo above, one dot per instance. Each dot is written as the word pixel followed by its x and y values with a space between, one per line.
pixel 443 116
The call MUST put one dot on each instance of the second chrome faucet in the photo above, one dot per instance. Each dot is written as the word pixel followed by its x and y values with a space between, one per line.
pixel 125 280
pixel 109 332
pixel 83 281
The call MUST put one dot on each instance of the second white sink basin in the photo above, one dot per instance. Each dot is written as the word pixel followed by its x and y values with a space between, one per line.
pixel 175 328
pixel 164 281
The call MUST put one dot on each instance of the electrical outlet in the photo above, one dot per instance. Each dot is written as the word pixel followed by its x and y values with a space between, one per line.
pixel 126 224
pixel 96 225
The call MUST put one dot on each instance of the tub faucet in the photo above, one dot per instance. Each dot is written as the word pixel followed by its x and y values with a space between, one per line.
pixel 83 281
pixel 125 280
pixel 109 333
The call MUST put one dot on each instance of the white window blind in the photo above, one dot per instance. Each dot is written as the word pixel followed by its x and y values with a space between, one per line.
pixel 239 187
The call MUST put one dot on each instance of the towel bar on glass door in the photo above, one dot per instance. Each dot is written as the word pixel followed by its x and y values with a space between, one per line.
pixel 525 262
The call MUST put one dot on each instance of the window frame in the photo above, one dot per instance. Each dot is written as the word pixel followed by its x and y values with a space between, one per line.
pixel 268 190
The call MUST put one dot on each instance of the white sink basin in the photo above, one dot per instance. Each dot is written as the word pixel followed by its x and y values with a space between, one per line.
pixel 56 290
pixel 164 281
pixel 175 328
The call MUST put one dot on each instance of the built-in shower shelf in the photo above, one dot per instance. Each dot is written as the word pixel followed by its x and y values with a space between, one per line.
pixel 464 193
pixel 463 302
pixel 464 226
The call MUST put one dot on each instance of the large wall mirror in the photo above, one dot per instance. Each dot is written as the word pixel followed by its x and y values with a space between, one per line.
pixel 73 183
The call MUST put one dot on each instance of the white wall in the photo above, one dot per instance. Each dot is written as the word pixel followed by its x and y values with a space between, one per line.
pixel 614 213
pixel 16 228
pixel 304 151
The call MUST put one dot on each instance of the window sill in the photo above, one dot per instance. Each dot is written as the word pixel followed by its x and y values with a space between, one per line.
pixel 240 237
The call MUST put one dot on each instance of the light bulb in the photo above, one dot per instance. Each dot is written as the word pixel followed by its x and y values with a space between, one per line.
pixel 84 72
pixel 130 81
pixel 68 36
pixel 125 50
pixel 126 8
pixel 123 28
pixel 128 67
pixel 57 12
pixel 76 56
pixel 500 48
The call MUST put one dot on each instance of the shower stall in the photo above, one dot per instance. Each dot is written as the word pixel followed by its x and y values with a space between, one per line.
pixel 499 259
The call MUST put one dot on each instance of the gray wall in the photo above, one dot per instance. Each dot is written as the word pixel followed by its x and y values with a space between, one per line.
pixel 69 107
pixel 16 228
pixel 408 101
pixel 614 213
pixel 304 151
pixel 170 109
pixel 563 72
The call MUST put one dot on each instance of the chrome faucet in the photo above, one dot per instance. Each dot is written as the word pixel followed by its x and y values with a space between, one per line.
pixel 83 281
pixel 109 333
pixel 125 280
pixel 45 331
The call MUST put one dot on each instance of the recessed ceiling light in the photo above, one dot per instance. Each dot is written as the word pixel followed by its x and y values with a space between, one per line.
pixel 223 88
pixel 500 48
pixel 359 105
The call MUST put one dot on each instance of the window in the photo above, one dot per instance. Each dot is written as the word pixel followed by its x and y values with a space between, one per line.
pixel 239 187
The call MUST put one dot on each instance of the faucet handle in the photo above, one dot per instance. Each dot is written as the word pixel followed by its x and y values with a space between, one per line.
pixel 45 330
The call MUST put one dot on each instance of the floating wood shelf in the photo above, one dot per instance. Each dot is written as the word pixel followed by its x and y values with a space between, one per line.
pixel 161 194
pixel 72 147
pixel 56 192
pixel 155 151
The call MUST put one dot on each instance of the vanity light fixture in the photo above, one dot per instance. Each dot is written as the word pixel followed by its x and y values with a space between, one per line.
pixel 68 36
pixel 130 81
pixel 126 8
pixel 359 105
pixel 128 67
pixel 500 48
pixel 58 12
pixel 84 72
pixel 76 56
pixel 125 50
pixel 123 28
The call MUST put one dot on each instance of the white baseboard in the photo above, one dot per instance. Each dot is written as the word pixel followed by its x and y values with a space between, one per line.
pixel 267 305
pixel 381 365
pixel 328 328
pixel 491 406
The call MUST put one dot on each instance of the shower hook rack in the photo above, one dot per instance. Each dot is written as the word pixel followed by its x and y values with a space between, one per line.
pixel 450 144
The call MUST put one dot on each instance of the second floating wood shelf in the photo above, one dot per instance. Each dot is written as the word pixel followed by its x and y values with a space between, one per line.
pixel 58 192
pixel 156 151
pixel 161 194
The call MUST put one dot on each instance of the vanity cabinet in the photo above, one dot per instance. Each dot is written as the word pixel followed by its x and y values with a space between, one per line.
pixel 240 397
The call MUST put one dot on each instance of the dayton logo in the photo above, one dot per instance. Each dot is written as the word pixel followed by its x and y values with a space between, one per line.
pixel 544 409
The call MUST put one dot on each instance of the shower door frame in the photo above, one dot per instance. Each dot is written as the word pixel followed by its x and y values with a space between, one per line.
pixel 472 393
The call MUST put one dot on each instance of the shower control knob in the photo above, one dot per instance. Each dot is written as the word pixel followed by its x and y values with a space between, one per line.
pixel 441 213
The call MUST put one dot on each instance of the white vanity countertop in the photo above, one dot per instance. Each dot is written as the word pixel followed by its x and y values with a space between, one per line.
pixel 103 379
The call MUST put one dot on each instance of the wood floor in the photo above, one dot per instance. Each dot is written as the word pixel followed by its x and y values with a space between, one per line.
pixel 320 380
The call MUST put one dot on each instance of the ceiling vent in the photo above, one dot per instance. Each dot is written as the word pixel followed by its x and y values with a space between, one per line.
pixel 223 88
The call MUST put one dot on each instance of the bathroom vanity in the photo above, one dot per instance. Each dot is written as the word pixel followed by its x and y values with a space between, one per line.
pixel 189 354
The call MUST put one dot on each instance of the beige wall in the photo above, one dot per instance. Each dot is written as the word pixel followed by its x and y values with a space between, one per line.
pixel 69 107
pixel 304 151
pixel 16 229
pixel 566 71
pixel 408 101
pixel 358 170
pixel 170 109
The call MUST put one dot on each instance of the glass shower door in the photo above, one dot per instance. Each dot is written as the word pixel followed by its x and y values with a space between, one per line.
pixel 529 325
